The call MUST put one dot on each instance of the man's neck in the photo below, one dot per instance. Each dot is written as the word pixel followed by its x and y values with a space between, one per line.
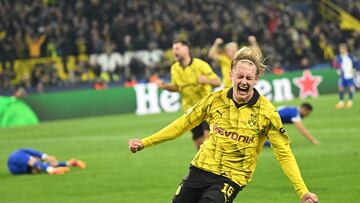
pixel 186 61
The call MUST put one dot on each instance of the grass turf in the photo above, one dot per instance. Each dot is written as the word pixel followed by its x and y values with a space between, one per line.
pixel 152 176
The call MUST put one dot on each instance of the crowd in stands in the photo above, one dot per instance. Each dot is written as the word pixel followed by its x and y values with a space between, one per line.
pixel 292 33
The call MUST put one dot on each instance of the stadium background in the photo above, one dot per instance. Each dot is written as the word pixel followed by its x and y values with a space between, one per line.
pixel 83 58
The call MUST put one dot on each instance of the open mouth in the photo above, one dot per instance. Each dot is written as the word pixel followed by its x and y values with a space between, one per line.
pixel 242 89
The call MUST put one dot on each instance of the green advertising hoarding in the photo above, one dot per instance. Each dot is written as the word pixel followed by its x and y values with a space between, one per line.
pixel 148 99
pixel 82 103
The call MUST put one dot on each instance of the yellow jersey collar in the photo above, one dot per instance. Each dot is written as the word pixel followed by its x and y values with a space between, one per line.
pixel 191 61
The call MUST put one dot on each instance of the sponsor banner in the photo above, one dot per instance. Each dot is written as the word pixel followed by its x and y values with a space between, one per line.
pixel 149 99
pixel 276 88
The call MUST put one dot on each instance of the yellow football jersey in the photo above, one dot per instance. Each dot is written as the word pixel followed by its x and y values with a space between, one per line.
pixel 237 135
pixel 225 65
pixel 186 79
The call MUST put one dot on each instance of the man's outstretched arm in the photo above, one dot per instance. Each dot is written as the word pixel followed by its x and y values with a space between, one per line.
pixel 300 126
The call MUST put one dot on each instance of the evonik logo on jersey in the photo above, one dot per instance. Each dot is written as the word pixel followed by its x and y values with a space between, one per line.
pixel 233 135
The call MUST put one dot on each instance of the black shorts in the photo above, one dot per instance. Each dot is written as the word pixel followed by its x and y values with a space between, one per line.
pixel 202 186
pixel 198 131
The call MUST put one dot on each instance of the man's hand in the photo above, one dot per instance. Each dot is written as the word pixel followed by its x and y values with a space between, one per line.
pixel 160 83
pixel 309 198
pixel 203 80
pixel 52 160
pixel 252 39
pixel 218 41
pixel 316 142
pixel 135 145
pixel 167 86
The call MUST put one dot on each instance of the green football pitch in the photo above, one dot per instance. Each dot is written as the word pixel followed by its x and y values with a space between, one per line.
pixel 115 175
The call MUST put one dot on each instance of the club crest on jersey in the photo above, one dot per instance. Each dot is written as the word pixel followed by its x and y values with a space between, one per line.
pixel 252 121
pixel 233 135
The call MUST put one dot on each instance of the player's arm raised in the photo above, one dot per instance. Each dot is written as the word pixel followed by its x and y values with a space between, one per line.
pixel 214 49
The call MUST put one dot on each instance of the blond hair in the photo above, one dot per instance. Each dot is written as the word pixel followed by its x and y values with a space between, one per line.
pixel 343 45
pixel 252 56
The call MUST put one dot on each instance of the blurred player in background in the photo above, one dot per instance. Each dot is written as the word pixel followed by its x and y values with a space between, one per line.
pixel 224 59
pixel 31 161
pixel 294 115
pixel 194 79
pixel 345 63
pixel 241 120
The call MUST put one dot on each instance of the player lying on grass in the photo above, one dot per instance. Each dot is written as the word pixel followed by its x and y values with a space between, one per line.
pixel 30 161
pixel 240 121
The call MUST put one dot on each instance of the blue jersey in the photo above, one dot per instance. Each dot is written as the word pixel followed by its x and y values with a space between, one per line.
pixel 18 160
pixel 289 114
pixel 346 65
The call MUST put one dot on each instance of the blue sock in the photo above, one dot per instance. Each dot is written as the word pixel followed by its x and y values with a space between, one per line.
pixel 341 96
pixel 62 164
pixel 41 165
pixel 351 93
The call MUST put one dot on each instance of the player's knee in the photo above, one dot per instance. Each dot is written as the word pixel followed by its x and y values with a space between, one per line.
pixel 351 89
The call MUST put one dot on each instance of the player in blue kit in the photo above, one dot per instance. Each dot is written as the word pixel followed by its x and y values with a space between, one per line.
pixel 30 161
pixel 345 64
pixel 292 114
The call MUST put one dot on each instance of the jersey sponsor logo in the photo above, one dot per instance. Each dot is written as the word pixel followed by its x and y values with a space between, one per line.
pixel 233 135
pixel 282 130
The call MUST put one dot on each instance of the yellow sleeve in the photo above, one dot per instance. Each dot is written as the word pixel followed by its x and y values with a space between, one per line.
pixel 173 75
pixel 222 60
pixel 193 117
pixel 281 146
pixel 208 71
pixel 41 39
